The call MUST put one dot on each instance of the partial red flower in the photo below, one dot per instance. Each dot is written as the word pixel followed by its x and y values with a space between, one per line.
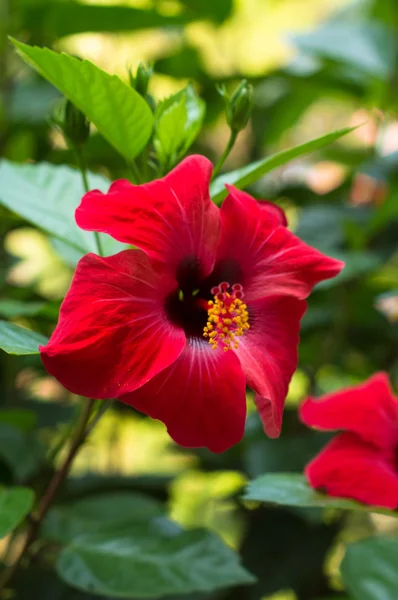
pixel 211 301
pixel 361 462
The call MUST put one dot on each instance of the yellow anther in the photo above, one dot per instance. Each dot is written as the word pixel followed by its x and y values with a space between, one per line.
pixel 228 319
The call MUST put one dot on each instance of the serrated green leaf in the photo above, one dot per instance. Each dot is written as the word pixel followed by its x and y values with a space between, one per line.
pixel 292 489
pixel 370 569
pixel 18 340
pixel 150 561
pixel 241 178
pixel 15 504
pixel 47 196
pixel 178 121
pixel 103 512
pixel 117 110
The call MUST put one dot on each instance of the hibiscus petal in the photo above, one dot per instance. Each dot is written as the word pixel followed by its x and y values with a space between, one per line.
pixel 349 467
pixel 171 219
pixel 271 260
pixel 369 409
pixel 200 398
pixel 273 210
pixel 113 334
pixel 268 355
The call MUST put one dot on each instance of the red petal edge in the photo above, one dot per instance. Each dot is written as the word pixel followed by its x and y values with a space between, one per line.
pixel 200 398
pixel 369 410
pixel 113 334
pixel 268 355
pixel 171 219
pixel 272 260
pixel 349 467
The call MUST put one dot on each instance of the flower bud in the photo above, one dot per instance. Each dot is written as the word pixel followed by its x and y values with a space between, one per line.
pixel 74 124
pixel 140 81
pixel 239 105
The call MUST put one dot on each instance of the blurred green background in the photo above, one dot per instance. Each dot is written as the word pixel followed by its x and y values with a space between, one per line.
pixel 316 65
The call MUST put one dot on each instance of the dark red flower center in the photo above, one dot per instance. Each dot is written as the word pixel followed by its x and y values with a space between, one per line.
pixel 211 308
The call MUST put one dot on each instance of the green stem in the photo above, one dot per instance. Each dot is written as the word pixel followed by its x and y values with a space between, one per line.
pixel 136 173
pixel 82 168
pixel 35 520
pixel 223 157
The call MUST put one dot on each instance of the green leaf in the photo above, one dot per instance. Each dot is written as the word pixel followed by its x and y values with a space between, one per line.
pixel 357 264
pixel 21 451
pixel 10 308
pixel 241 178
pixel 150 561
pixel 15 504
pixel 18 340
pixel 370 569
pixel 178 122
pixel 22 419
pixel 47 196
pixel 105 512
pixel 291 489
pixel 116 109
pixel 366 47
pixel 54 19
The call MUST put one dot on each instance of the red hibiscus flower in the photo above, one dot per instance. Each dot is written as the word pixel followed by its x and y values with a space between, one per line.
pixel 211 301
pixel 362 462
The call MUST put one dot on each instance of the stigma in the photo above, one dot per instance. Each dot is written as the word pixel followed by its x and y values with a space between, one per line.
pixel 228 318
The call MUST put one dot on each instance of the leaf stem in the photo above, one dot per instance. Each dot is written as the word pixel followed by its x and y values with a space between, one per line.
pixel 83 170
pixel 36 518
pixel 136 173
pixel 223 157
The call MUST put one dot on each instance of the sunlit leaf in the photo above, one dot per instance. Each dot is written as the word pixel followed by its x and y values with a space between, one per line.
pixel 178 122
pixel 370 569
pixel 291 489
pixel 117 110
pixel 241 178
pixel 18 340
pixel 150 561
pixel 366 47
pixel 15 504
pixel 47 196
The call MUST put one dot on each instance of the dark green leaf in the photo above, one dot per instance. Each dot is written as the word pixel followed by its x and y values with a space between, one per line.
pixel 59 19
pixel 116 109
pixel 47 196
pixel 357 264
pixel 150 561
pixel 21 451
pixel 291 489
pixel 22 419
pixel 241 178
pixel 15 504
pixel 106 511
pixel 18 340
pixel 370 569
pixel 178 122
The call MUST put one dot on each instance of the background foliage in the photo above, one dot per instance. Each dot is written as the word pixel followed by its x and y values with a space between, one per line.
pixel 139 516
